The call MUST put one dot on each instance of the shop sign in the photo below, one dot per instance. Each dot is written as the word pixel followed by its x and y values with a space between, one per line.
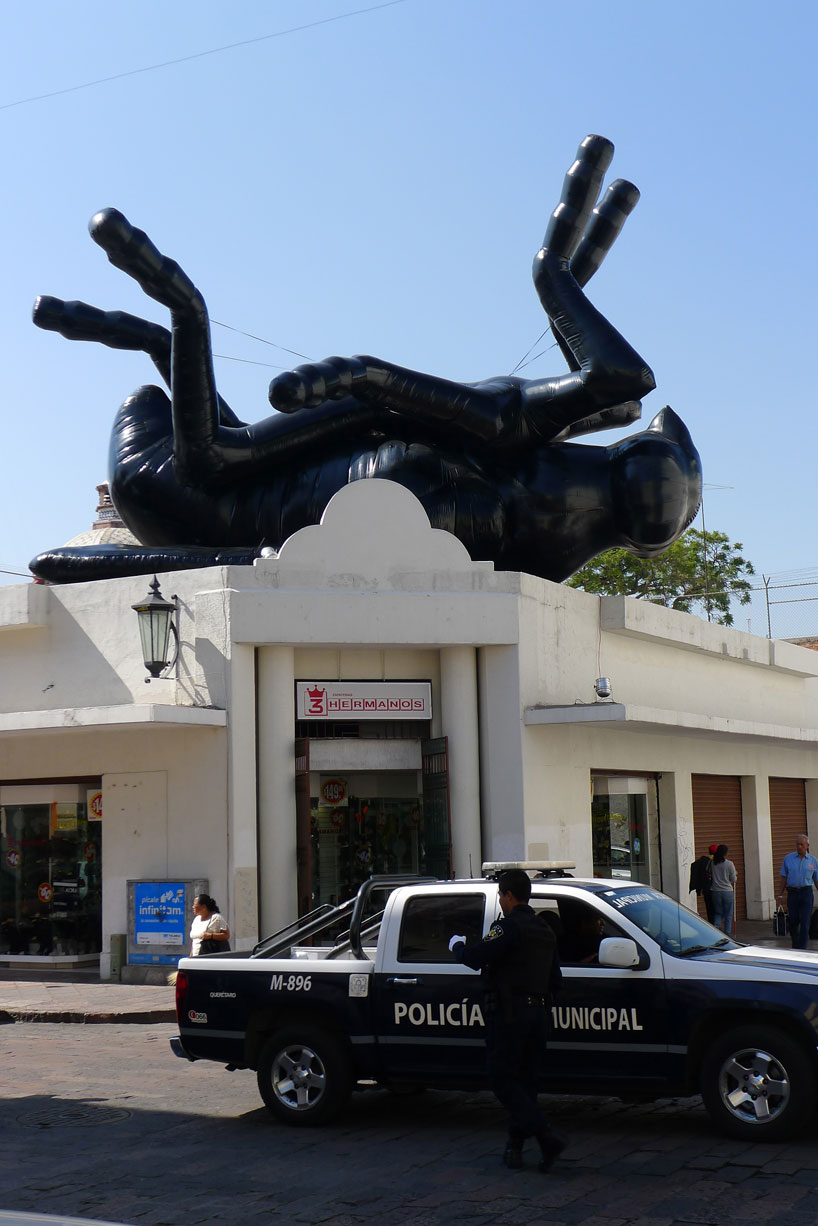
pixel 93 805
pixel 159 913
pixel 359 700
pixel 334 791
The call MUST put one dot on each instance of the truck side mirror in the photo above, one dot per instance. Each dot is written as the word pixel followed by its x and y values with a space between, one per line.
pixel 619 952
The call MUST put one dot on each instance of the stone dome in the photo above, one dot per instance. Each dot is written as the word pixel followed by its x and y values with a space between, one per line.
pixel 107 528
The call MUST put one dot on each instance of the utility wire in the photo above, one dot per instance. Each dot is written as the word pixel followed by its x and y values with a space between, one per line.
pixel 547 349
pixel 230 328
pixel 198 55
pixel 528 351
pixel 225 357
pixel 808 575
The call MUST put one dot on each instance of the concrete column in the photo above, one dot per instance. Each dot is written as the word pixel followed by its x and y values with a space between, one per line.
pixel 676 833
pixel 458 701
pixel 278 900
pixel 242 837
pixel 811 786
pixel 501 754
pixel 758 847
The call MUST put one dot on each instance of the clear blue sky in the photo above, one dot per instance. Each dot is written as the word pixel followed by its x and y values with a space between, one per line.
pixel 380 184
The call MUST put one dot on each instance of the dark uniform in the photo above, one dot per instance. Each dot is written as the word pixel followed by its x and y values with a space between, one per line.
pixel 518 958
pixel 701 881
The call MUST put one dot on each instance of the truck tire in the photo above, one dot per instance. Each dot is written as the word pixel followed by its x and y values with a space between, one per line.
pixel 304 1075
pixel 758 1084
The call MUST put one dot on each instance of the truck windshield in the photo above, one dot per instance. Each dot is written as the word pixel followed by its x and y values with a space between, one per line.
pixel 675 929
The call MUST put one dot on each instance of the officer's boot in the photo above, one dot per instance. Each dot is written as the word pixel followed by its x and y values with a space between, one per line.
pixel 551 1146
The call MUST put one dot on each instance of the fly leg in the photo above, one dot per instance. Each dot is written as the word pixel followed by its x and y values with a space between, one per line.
pixel 77 321
pixel 605 370
pixel 194 396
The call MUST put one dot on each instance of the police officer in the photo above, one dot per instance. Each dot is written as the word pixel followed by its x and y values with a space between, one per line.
pixel 518 958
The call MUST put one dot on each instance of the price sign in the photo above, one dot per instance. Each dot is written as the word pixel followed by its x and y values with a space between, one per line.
pixel 334 791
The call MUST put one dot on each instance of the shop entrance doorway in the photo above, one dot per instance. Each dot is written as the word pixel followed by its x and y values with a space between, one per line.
pixel 717 818
pixel 625 828
pixel 352 825
pixel 50 873
pixel 367 835
pixel 788 819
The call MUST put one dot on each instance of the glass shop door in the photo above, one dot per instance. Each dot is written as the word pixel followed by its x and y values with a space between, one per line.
pixel 625 828
pixel 50 880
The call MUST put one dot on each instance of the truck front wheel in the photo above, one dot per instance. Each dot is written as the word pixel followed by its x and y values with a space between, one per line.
pixel 758 1084
pixel 304 1075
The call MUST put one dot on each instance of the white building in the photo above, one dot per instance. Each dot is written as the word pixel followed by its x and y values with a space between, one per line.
pixel 446 715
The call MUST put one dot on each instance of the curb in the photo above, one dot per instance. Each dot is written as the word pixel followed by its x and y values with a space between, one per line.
pixel 140 1017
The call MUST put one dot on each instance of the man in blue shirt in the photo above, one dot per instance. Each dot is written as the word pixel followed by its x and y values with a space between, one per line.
pixel 799 872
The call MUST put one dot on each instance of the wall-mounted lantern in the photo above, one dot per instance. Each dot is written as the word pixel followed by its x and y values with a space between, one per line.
pixel 156 625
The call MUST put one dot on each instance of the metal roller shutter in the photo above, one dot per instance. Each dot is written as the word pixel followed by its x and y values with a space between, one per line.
pixel 788 819
pixel 717 819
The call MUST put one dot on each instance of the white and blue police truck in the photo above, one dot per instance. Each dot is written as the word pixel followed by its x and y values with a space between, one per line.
pixel 656 1004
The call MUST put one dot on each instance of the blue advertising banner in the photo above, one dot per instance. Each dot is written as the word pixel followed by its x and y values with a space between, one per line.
pixel 159 921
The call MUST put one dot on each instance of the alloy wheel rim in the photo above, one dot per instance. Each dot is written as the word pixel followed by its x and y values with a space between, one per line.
pixel 754 1086
pixel 299 1077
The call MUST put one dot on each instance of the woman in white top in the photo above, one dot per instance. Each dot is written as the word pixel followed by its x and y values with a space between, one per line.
pixel 723 878
pixel 207 925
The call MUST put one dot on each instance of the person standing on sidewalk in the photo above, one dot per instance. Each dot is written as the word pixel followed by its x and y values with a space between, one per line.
pixel 723 889
pixel 209 933
pixel 799 872
pixel 701 879
pixel 518 959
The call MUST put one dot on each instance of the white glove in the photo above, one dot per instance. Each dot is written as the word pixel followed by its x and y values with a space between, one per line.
pixel 456 941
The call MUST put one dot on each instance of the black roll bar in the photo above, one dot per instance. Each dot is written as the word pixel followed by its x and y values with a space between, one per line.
pixel 299 930
pixel 328 914
pixel 375 882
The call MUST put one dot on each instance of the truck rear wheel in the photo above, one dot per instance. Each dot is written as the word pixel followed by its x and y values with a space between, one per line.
pixel 758 1084
pixel 304 1075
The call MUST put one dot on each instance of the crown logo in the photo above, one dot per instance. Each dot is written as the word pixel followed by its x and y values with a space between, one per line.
pixel 316 701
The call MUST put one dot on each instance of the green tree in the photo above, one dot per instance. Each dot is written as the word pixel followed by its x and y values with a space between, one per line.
pixel 701 572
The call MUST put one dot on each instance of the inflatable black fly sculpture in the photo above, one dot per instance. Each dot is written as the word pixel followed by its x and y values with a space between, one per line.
pixel 491 461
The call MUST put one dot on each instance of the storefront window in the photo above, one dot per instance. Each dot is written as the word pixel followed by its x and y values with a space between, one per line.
pixel 50 879
pixel 361 836
pixel 625 828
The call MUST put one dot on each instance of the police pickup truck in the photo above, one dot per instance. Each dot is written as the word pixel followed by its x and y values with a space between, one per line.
pixel 654 1002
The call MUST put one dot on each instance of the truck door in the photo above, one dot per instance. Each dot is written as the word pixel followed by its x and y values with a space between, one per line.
pixel 604 1021
pixel 428 1009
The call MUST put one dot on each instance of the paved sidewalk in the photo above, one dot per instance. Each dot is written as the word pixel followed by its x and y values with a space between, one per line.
pixel 87 1000
pixel 27 1001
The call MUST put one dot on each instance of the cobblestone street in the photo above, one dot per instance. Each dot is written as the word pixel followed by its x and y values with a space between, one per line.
pixel 102 1121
